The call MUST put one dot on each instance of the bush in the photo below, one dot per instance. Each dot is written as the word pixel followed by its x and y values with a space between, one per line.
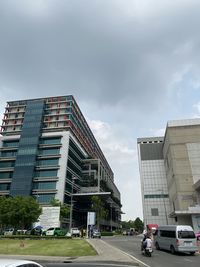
pixel 33 237
pixel 106 233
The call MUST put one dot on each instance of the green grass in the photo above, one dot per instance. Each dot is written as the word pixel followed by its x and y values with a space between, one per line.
pixel 67 248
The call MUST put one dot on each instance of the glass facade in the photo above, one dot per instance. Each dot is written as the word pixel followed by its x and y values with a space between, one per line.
pixel 46 173
pixel 44 185
pixel 50 141
pixel 47 162
pixel 45 198
pixel 6 175
pixel 7 164
pixel 157 196
pixel 5 187
pixel 49 151
pixel 27 151
pixel 11 143
pixel 8 154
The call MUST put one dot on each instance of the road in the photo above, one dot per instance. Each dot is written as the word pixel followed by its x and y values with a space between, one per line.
pixel 131 245
pixel 86 264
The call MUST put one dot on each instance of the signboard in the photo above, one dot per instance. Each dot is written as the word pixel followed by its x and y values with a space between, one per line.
pixel 90 222
pixel 91 218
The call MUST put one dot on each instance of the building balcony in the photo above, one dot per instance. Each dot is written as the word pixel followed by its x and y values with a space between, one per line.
pixel 4 192
pixel 49 145
pixel 50 156
pixel 44 191
pixel 5 180
pixel 11 132
pixel 48 167
pixel 92 189
pixel 15 106
pixel 45 179
pixel 12 124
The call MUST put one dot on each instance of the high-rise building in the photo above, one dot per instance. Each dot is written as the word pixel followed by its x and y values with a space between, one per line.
pixel 180 153
pixel 47 150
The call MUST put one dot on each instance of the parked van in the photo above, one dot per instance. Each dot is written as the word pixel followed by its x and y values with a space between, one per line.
pixel 176 238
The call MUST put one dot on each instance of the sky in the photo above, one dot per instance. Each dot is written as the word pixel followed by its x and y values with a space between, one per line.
pixel 131 65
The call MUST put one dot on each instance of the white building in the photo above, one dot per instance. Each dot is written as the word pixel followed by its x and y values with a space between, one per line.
pixel 155 197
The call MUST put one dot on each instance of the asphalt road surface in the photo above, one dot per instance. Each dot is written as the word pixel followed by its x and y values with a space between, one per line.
pixel 86 264
pixel 131 246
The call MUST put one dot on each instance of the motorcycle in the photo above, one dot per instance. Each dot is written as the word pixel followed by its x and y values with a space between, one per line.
pixel 146 251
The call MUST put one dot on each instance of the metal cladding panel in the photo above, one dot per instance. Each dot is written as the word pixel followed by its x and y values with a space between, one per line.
pixel 27 151
pixel 151 151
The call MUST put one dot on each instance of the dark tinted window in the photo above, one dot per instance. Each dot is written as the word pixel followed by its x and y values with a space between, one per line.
pixel 167 233
pixel 186 234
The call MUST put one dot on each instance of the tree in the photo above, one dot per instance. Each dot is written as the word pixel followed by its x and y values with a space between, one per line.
pixel 64 208
pixel 99 208
pixel 19 212
pixel 138 225
pixel 128 224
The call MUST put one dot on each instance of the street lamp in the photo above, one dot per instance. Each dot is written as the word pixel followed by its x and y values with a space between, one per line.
pixel 71 203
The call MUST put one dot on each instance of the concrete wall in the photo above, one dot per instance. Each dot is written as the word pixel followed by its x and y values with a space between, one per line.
pixel 178 165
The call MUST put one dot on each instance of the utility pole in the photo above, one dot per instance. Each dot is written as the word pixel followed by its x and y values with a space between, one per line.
pixel 71 204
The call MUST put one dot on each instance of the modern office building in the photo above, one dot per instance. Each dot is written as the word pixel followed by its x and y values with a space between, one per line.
pixel 47 150
pixel 180 151
pixel 155 197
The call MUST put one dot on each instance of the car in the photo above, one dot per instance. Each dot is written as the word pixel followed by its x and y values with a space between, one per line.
pixel 126 232
pixel 75 232
pixel 198 236
pixel 9 231
pixel 34 231
pixel 18 263
pixel 54 231
pixel 96 233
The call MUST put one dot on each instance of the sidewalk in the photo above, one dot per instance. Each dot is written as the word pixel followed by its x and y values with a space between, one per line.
pixel 106 253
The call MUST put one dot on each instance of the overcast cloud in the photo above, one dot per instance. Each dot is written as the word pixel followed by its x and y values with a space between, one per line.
pixel 131 65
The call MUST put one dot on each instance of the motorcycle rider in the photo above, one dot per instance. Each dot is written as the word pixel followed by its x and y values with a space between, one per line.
pixel 147 243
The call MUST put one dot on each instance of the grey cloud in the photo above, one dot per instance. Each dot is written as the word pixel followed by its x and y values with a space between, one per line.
pixel 93 50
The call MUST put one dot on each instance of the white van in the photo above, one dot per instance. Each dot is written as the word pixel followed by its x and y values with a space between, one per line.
pixel 176 238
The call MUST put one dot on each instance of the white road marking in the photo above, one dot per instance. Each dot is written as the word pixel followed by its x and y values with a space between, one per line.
pixel 134 258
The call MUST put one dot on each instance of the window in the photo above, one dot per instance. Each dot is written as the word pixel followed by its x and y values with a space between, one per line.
pixel 168 233
pixel 27 151
pixel 51 141
pixel 186 234
pixel 4 186
pixel 157 196
pixel 48 162
pixel 6 175
pixel 8 153
pixel 49 173
pixel 154 212
pixel 45 198
pixel 45 185
pixel 50 151
pixel 10 143
pixel 7 164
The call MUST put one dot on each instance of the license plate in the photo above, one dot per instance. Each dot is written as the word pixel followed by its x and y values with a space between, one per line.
pixel 188 243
